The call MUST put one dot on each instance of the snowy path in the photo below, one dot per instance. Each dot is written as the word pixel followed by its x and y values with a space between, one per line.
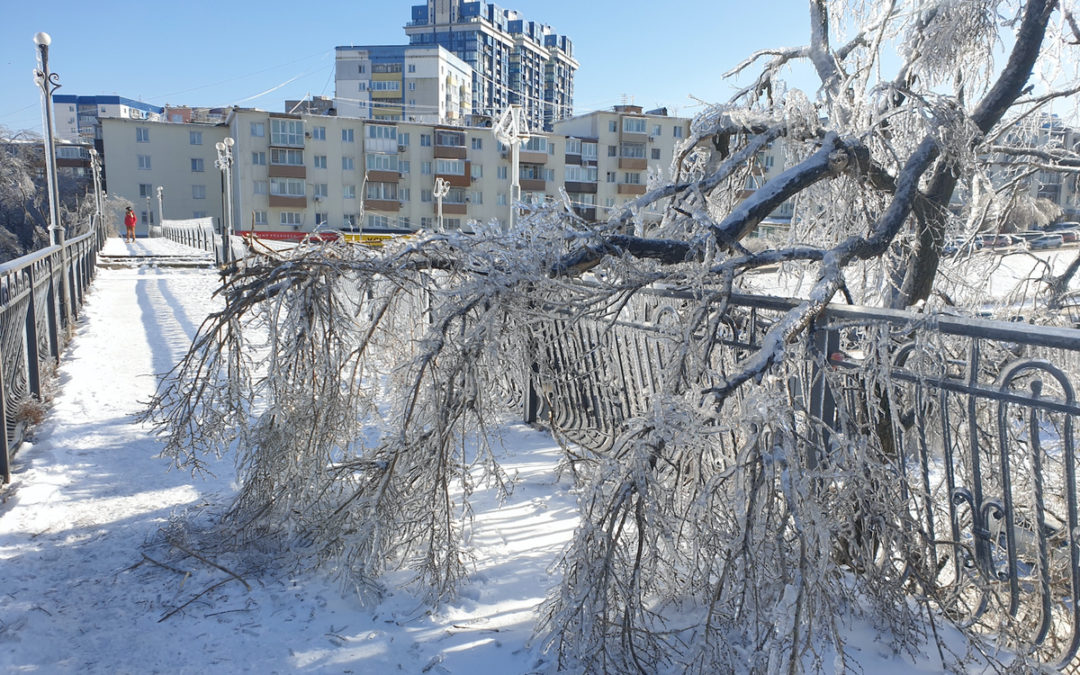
pixel 89 491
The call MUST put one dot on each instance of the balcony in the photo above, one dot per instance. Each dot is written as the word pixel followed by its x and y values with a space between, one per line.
pixel 450 209
pixel 458 181
pixel 586 212
pixel 288 202
pixel 390 205
pixel 582 188
pixel 287 171
pixel 633 163
pixel 533 184
pixel 527 157
pixel 631 189
pixel 383 176
pixel 450 152
pixel 381 145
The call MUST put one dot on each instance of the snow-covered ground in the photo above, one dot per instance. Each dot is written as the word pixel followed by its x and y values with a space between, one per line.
pixel 85 582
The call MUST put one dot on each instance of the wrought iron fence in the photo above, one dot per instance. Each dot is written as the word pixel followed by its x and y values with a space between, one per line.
pixel 978 419
pixel 40 297
pixel 200 233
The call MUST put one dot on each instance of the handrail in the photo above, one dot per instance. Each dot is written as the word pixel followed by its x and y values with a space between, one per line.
pixel 40 294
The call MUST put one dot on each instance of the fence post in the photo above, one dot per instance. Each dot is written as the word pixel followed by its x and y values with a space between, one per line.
pixel 33 372
pixel 822 402
pixel 5 458
pixel 54 311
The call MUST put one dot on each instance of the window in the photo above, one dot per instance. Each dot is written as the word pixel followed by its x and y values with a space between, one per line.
pixel 347 136
pixel 632 178
pixel 348 191
pixel 377 221
pixel 573 146
pixel 283 157
pixel 148 217
pixel 144 162
pixel 195 137
pixel 476 197
pixel 320 219
pixel 655 153
pixel 361 68
pixel 258 158
pixel 406 194
pixel 286 132
pixel 454 139
pixel 350 220
pixel 633 125
pixel 348 164
pixel 403 139
pixel 612 151
pixel 501 173
pixel 378 162
pixel 380 85
pixel 198 214
pixel 319 190
pixel 450 167
pixel 612 126
pixel 384 191
pixel 197 164
pixel 425 168
pixel 146 190
pixel 261 187
pixel 655 130
pixel 287 187
pixel 633 150
pixel 320 161
pixel 588 150
pixel 500 199
pixel 536 144
pixel 476 171
pixel 403 166
pixel 259 217
pixel 258 129
pixel 382 131
pixel 425 195
pixel 425 140
pixel 676 132
pixel 477 144
pixel 318 133
pixel 142 135
pixel 610 176
pixel 452 223
pixel 425 223
pixel 198 192
pixel 412 86
pixel 291 218
pixel 581 174
pixel 412 67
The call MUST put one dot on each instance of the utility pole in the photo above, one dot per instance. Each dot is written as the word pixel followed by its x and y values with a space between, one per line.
pixel 161 204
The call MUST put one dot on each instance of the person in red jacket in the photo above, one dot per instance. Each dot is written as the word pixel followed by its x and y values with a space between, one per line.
pixel 129 223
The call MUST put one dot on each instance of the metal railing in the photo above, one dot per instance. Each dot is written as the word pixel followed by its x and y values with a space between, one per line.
pixel 201 233
pixel 978 419
pixel 37 311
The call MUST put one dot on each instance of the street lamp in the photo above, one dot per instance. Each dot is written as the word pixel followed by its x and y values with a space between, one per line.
pixel 99 210
pixel 511 129
pixel 49 83
pixel 224 162
pixel 442 188
pixel 161 205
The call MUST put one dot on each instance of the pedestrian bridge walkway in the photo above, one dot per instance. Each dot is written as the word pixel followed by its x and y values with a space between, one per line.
pixel 158 252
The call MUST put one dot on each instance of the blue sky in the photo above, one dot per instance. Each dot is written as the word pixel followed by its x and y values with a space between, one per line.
pixel 229 52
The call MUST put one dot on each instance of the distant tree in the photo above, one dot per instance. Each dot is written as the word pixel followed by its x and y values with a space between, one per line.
pixel 709 540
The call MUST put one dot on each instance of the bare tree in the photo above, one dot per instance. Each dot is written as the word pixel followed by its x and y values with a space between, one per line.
pixel 714 536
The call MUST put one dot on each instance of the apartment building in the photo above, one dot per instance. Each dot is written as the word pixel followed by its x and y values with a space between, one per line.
pixel 513 60
pixel 78 118
pixel 143 155
pixel 295 172
pixel 1048 133
pixel 416 83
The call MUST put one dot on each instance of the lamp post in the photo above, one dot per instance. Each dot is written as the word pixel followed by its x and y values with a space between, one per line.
pixel 99 208
pixel 49 83
pixel 149 215
pixel 161 204
pixel 511 129
pixel 442 188
pixel 224 163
